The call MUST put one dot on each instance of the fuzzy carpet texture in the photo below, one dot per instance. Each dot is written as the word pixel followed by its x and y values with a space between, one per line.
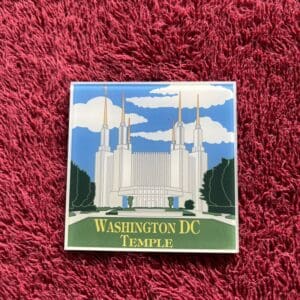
pixel 46 44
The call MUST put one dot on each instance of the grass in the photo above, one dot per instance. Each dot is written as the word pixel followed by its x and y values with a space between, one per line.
pixel 103 208
pixel 213 234
pixel 188 213
pixel 113 212
pixel 174 209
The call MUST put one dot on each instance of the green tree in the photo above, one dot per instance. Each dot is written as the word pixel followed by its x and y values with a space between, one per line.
pixel 82 190
pixel 130 201
pixel 171 201
pixel 189 204
pixel 218 188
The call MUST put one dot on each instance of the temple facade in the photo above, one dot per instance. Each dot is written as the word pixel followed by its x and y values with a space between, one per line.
pixel 149 177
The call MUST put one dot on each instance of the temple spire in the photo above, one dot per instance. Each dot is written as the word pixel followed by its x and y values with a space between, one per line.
pixel 128 132
pixel 173 134
pixel 123 109
pixel 104 143
pixel 179 108
pixel 105 123
pixel 123 134
pixel 197 112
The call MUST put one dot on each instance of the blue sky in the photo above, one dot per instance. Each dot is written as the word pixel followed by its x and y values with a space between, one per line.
pixel 85 142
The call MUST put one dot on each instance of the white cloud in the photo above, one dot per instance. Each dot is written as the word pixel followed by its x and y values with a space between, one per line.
pixel 90 115
pixel 213 133
pixel 209 95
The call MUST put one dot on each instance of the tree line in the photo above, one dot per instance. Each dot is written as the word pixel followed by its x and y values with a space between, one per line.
pixel 82 190
pixel 218 189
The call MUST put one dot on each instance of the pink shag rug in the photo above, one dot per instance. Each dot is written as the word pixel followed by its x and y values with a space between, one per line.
pixel 46 44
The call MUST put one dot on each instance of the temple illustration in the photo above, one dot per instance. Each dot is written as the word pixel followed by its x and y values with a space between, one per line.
pixel 150 177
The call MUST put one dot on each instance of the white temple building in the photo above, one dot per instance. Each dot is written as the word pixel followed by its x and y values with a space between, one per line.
pixel 149 177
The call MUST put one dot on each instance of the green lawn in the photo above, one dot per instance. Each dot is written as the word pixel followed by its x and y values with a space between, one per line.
pixel 213 234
